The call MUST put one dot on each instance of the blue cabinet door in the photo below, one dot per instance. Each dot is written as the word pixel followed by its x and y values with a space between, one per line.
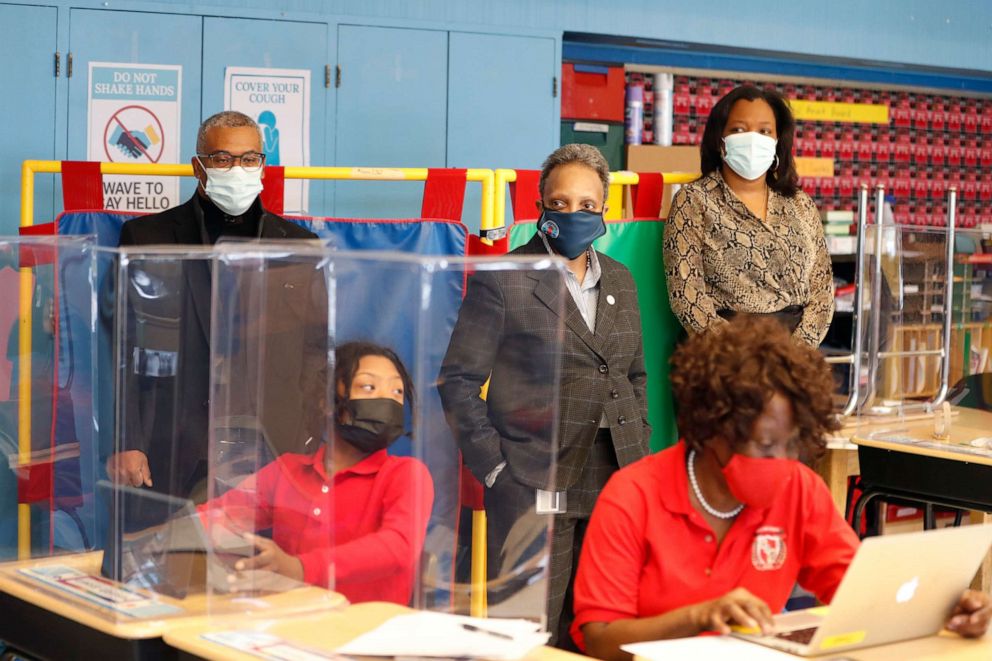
pixel 391 112
pixel 235 42
pixel 27 49
pixel 141 38
pixel 502 112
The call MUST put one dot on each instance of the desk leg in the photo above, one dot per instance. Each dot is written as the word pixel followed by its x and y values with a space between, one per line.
pixel 983 579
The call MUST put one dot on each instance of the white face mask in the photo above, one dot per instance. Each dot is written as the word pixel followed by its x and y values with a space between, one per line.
pixel 234 190
pixel 749 154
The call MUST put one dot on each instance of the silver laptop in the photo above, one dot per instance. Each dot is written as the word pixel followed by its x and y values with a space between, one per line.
pixel 898 587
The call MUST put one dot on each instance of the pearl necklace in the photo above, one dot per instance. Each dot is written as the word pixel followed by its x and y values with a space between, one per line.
pixel 699 493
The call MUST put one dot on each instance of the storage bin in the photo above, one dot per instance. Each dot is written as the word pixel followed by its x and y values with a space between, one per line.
pixel 607 137
pixel 592 92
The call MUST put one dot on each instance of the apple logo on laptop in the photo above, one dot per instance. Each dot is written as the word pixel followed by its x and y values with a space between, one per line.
pixel 907 590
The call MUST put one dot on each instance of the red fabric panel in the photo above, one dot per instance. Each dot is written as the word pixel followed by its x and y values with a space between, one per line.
pixel 646 195
pixel 274 189
pixel 477 247
pixel 45 229
pixel 472 491
pixel 82 185
pixel 33 255
pixel 34 483
pixel 524 193
pixel 444 194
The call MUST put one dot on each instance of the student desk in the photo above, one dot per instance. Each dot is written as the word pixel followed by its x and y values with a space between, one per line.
pixel 943 647
pixel 44 622
pixel 319 633
pixel 841 458
pixel 902 460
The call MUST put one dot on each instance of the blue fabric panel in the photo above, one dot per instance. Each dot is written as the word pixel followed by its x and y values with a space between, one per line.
pixel 105 225
pixel 419 237
pixel 386 305
pixel 376 304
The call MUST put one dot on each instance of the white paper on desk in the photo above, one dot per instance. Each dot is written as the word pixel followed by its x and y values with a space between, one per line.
pixel 704 648
pixel 441 635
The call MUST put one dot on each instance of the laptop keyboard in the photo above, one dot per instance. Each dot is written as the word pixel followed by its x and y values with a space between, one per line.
pixel 801 636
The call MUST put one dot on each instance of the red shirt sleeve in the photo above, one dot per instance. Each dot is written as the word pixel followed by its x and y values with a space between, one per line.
pixel 829 543
pixel 396 545
pixel 613 552
pixel 248 506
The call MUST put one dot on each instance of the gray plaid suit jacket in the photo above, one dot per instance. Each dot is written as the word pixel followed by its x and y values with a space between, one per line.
pixel 508 327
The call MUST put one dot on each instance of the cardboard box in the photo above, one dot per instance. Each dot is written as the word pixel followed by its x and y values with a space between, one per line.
pixel 655 158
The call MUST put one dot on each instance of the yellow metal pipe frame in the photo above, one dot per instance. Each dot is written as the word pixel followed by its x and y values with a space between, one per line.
pixel 24 406
pixel 478 605
pixel 622 178
pixel 30 168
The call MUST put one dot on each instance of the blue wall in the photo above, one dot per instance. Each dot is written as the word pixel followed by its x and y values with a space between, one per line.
pixel 954 33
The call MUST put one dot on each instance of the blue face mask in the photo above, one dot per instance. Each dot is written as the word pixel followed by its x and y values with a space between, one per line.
pixel 571 234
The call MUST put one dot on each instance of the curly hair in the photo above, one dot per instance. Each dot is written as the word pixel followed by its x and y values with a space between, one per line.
pixel 723 379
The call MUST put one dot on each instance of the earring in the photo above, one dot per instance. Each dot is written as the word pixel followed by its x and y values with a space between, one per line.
pixel 775 163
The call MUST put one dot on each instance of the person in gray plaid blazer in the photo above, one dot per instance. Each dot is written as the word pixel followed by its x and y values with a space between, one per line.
pixel 510 329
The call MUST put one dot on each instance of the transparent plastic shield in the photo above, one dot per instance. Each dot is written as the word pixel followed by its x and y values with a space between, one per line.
pixel 269 514
pixel 970 376
pixel 156 303
pixel 928 377
pixel 481 390
pixel 382 505
pixel 47 425
pixel 906 307
pixel 59 384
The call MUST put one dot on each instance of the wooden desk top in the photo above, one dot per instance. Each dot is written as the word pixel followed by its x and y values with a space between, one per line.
pixel 320 633
pixel 192 609
pixel 915 436
pixel 842 439
pixel 943 647
pixel 946 647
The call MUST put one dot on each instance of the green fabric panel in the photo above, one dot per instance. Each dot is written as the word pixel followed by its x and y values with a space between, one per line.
pixel 637 245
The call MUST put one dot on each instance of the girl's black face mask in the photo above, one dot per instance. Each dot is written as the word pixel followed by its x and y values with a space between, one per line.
pixel 571 233
pixel 374 425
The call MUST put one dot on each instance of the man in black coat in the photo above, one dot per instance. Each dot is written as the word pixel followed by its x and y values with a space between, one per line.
pixel 277 359
pixel 508 332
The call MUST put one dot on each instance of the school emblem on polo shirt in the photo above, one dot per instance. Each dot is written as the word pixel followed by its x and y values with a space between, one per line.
pixel 769 550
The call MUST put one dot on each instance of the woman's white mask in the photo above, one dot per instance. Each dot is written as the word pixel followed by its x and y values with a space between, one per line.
pixel 749 154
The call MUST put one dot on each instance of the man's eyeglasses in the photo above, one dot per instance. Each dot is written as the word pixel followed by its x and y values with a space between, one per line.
pixel 222 160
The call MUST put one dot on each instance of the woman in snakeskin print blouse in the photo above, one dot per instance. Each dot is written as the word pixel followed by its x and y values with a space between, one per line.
pixel 744 238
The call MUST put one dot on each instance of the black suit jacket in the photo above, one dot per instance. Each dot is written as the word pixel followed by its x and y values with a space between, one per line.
pixel 276 361
pixel 508 328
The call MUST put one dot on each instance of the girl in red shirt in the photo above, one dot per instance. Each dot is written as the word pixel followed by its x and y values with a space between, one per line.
pixel 349 517
pixel 717 529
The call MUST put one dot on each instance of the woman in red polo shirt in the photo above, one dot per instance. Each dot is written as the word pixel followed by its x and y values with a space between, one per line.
pixel 719 528
pixel 349 516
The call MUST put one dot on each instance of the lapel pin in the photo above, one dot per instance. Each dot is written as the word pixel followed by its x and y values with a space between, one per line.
pixel 610 299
